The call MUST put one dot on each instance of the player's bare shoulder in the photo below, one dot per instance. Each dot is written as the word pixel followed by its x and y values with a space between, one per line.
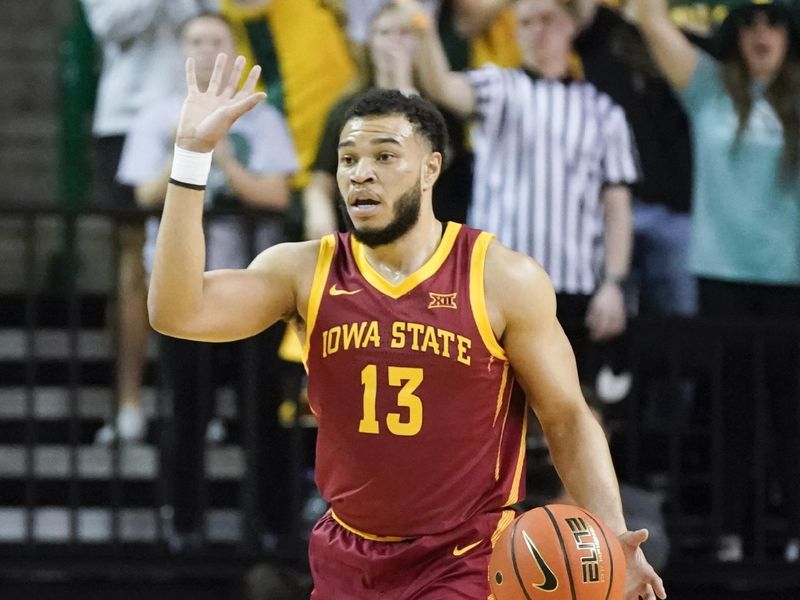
pixel 516 285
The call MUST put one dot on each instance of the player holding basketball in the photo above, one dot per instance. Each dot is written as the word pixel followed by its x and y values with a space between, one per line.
pixel 417 334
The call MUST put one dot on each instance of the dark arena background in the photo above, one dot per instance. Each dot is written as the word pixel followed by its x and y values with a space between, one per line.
pixel 88 519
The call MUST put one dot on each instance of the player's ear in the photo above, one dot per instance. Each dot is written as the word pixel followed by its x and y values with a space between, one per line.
pixel 431 169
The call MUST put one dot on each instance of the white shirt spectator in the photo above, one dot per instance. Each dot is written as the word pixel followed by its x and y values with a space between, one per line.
pixel 262 143
pixel 142 59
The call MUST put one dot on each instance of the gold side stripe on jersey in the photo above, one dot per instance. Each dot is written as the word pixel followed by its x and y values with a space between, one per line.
pixel 506 518
pixel 477 296
pixel 502 432
pixel 369 536
pixel 501 393
pixel 430 267
pixel 513 497
pixel 327 248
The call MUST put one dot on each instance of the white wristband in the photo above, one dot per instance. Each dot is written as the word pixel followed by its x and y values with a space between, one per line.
pixel 190 167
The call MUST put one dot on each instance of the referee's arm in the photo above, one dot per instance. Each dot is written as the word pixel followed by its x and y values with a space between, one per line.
pixel 619 231
pixel 447 88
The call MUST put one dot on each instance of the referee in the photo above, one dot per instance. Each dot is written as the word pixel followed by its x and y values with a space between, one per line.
pixel 553 162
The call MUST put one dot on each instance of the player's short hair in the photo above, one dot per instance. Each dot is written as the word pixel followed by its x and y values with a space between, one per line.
pixel 422 114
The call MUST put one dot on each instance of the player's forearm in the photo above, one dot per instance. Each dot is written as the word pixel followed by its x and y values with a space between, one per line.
pixel 619 231
pixel 175 295
pixel 580 454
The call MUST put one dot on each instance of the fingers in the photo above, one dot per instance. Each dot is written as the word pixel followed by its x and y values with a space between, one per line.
pixel 242 105
pixel 216 76
pixel 215 85
pixel 646 593
pixel 659 589
pixel 235 76
pixel 639 536
pixel 191 77
pixel 252 79
pixel 635 538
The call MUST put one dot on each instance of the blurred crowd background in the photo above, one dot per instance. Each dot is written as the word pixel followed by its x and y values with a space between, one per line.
pixel 652 169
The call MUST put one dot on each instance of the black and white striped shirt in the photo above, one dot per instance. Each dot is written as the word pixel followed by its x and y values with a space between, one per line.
pixel 544 149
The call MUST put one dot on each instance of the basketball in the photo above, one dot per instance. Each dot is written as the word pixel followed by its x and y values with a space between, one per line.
pixel 557 552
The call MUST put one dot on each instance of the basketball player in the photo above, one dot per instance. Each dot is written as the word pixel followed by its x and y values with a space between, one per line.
pixel 417 334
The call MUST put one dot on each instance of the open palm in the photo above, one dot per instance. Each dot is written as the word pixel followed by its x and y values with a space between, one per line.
pixel 207 115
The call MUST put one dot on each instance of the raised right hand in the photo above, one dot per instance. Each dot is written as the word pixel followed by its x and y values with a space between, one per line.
pixel 207 116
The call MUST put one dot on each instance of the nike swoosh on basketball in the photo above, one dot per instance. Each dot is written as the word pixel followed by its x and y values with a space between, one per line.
pixel 550 582
pixel 459 551
pixel 334 291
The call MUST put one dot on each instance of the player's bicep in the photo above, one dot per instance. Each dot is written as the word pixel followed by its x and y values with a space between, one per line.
pixel 544 364
pixel 534 341
pixel 239 303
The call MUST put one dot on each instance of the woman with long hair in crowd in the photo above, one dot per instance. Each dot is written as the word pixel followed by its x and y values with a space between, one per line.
pixel 744 109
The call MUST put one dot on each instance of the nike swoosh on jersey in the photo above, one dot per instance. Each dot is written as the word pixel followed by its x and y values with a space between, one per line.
pixel 550 582
pixel 334 291
pixel 459 551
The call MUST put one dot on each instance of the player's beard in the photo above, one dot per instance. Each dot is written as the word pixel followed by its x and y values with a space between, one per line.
pixel 406 214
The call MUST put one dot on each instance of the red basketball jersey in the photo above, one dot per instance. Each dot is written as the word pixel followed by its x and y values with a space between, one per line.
pixel 420 428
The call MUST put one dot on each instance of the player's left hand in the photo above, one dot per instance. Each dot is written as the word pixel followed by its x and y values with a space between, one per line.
pixel 642 582
pixel 606 316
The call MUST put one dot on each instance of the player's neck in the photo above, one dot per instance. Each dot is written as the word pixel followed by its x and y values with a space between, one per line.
pixel 398 260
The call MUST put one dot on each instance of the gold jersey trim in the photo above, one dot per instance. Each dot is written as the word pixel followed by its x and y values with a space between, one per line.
pixel 327 248
pixel 477 296
pixel 513 497
pixel 501 393
pixel 368 536
pixel 430 267
pixel 506 518
pixel 505 420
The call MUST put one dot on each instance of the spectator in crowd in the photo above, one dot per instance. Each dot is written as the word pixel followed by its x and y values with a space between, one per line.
pixel 306 65
pixel 390 66
pixel 745 247
pixel 485 23
pixel 141 62
pixel 553 162
pixel 251 170
pixel 616 60
pixel 475 33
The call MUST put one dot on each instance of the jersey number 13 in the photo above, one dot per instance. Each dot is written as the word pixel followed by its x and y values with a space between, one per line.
pixel 408 379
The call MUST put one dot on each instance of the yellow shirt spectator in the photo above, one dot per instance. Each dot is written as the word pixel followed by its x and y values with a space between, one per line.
pixel 305 61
